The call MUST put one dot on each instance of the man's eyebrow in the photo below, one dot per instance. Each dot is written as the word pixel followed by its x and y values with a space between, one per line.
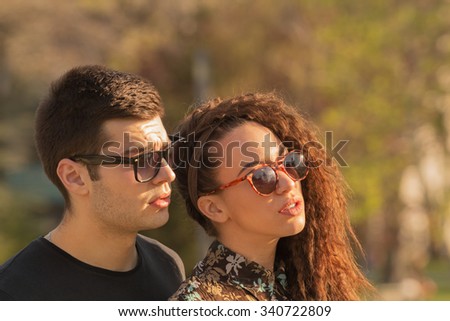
pixel 134 149
pixel 144 149
pixel 111 143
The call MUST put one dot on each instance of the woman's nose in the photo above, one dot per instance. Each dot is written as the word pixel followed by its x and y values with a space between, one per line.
pixel 285 183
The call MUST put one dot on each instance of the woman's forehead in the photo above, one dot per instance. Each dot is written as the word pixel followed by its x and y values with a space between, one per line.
pixel 251 141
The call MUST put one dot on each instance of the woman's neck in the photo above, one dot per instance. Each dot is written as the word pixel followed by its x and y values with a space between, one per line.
pixel 259 251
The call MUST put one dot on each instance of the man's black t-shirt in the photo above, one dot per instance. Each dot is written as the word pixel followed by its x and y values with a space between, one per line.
pixel 42 271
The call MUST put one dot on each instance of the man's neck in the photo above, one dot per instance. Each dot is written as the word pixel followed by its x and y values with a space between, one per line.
pixel 90 244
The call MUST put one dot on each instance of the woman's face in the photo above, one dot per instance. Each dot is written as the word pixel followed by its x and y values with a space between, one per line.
pixel 250 215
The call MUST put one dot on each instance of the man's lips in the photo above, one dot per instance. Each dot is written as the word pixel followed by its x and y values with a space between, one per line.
pixel 162 201
pixel 292 207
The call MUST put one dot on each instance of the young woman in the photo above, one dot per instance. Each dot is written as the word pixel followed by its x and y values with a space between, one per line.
pixel 253 175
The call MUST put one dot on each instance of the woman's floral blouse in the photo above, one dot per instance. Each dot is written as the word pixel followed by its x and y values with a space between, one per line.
pixel 224 275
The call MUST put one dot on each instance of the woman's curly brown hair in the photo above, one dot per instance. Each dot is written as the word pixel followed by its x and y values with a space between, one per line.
pixel 320 263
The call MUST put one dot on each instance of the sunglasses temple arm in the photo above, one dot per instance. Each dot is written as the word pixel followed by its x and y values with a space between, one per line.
pixel 235 182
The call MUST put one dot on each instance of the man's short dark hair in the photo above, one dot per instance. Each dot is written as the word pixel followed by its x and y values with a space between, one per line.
pixel 69 120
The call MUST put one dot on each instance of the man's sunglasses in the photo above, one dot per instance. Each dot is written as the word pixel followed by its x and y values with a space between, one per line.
pixel 146 166
pixel 264 177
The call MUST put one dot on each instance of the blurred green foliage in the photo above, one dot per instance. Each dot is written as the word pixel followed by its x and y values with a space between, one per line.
pixel 372 72
pixel 438 271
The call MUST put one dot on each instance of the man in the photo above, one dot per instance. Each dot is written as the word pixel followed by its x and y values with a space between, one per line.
pixel 101 141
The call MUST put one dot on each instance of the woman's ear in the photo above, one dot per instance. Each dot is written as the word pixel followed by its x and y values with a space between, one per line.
pixel 213 208
pixel 73 175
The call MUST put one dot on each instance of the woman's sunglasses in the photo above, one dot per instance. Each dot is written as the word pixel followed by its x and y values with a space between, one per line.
pixel 264 178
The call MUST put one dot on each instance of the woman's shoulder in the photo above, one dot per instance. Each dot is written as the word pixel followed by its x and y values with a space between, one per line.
pixel 195 288
pixel 198 288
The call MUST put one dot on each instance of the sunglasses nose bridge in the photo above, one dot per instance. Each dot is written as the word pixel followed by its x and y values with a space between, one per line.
pixel 285 182
pixel 282 168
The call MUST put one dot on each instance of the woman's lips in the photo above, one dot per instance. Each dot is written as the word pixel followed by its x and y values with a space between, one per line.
pixel 292 208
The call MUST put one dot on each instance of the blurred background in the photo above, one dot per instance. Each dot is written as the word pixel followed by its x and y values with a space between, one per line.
pixel 375 73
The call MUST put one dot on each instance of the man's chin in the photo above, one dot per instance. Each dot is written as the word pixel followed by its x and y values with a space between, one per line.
pixel 157 219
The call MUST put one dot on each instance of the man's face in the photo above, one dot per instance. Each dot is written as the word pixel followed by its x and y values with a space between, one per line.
pixel 118 201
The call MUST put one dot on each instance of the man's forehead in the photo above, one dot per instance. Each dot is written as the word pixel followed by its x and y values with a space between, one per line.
pixel 151 128
pixel 138 127
pixel 126 133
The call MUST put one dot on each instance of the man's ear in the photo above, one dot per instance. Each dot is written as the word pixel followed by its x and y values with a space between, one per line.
pixel 74 176
pixel 213 208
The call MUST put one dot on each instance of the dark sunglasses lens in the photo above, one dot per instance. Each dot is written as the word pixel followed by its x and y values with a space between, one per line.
pixel 295 166
pixel 148 166
pixel 264 180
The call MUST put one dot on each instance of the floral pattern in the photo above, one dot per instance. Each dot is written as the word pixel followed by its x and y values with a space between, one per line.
pixel 224 275
pixel 234 264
